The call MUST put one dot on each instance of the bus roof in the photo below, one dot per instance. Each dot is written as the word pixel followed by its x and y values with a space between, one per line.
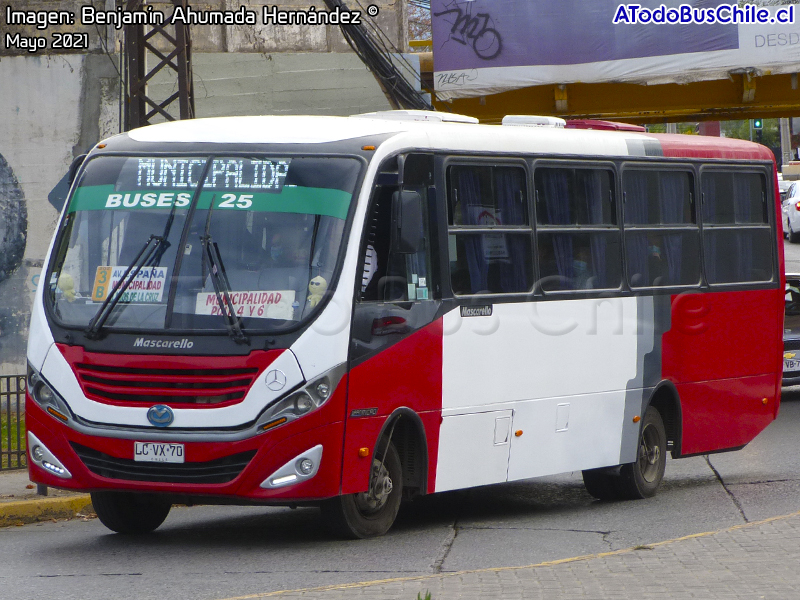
pixel 450 135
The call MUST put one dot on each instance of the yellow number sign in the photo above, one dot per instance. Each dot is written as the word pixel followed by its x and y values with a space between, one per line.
pixel 102 281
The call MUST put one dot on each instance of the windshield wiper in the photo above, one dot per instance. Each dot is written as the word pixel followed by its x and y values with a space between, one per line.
pixel 222 288
pixel 152 258
pixel 147 255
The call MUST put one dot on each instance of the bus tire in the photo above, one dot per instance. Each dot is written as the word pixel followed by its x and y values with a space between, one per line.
pixel 371 513
pixel 130 513
pixel 601 483
pixel 642 478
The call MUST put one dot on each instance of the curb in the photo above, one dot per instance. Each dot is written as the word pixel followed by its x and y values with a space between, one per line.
pixel 21 512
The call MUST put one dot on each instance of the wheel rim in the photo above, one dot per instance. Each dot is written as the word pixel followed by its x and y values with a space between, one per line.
pixel 649 454
pixel 381 486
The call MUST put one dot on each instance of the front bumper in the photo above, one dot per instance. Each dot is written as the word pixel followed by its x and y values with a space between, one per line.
pixel 237 469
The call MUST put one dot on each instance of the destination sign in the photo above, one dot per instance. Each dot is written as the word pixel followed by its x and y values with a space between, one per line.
pixel 147 286
pixel 256 304
pixel 260 175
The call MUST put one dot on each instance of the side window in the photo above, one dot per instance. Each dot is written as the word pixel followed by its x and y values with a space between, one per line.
pixel 737 239
pixel 386 274
pixel 662 239
pixel 489 230
pixel 578 236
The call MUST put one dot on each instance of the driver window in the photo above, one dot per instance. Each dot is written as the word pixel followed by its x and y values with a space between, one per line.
pixel 389 276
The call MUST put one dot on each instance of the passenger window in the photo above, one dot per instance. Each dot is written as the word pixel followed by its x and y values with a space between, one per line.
pixel 734 198
pixel 575 197
pixel 736 235
pixel 579 261
pixel 733 256
pixel 660 258
pixel 489 262
pixel 658 198
pixel 662 239
pixel 487 196
pixel 578 237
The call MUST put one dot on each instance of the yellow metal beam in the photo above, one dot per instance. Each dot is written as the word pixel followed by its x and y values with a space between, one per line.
pixel 769 96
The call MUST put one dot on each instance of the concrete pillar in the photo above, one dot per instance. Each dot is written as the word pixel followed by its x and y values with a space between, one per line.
pixel 786 141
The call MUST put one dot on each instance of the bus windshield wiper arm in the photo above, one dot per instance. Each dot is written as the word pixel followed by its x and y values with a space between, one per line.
pixel 142 259
pixel 222 288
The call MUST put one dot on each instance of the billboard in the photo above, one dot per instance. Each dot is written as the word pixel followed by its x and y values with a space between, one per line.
pixel 487 46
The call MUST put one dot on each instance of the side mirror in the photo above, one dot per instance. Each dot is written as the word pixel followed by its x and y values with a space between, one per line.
pixel 73 168
pixel 407 230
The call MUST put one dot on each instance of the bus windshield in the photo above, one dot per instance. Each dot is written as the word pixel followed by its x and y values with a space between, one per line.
pixel 268 228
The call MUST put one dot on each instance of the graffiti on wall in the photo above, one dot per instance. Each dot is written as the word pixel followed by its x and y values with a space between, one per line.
pixel 14 295
pixel 13 221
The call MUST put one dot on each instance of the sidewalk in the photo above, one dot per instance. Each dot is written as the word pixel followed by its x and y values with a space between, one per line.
pixel 747 562
pixel 20 503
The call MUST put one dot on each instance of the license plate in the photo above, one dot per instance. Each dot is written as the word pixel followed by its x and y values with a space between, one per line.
pixel 158 452
pixel 791 364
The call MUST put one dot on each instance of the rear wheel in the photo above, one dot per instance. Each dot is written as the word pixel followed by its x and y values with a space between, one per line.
pixel 601 483
pixel 130 513
pixel 641 479
pixel 370 513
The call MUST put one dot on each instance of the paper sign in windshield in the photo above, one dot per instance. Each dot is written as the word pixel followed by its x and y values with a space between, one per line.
pixel 257 304
pixel 147 286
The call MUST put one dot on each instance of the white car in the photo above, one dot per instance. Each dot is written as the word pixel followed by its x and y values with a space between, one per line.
pixel 790 207
pixel 784 187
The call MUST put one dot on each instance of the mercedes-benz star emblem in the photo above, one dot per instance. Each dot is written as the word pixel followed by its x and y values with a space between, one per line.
pixel 160 415
pixel 276 380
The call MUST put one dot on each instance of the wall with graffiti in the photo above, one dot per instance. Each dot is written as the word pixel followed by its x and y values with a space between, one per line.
pixel 13 237
pixel 48 116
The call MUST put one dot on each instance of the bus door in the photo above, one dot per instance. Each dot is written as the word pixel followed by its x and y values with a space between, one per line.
pixel 395 352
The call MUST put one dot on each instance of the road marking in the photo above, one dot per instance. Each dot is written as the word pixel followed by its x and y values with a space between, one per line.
pixel 551 563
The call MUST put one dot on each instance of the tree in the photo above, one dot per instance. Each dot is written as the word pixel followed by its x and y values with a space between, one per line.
pixel 419 21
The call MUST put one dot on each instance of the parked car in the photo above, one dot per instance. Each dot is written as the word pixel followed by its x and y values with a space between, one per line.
pixel 790 209
pixel 791 332
pixel 784 187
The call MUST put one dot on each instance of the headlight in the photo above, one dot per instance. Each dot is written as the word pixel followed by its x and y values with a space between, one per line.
pixel 46 397
pixel 301 402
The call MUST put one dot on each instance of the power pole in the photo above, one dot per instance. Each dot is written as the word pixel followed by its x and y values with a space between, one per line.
pixel 786 141
pixel 140 108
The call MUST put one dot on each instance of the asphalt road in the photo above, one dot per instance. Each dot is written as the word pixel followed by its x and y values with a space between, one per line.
pixel 791 253
pixel 222 552
pixel 210 553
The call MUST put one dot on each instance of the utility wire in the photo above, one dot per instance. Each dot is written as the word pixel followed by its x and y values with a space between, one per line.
pixel 375 54
pixel 387 45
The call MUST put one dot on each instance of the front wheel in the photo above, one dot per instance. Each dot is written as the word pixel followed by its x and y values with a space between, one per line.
pixel 370 513
pixel 126 512
pixel 641 479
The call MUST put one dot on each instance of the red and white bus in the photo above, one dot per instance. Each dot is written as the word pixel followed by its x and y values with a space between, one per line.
pixel 353 311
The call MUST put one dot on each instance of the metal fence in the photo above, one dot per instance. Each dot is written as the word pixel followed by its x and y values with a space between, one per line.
pixel 12 422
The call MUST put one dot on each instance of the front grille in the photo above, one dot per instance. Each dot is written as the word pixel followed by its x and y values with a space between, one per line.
pixel 164 385
pixel 221 470
pixel 791 343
